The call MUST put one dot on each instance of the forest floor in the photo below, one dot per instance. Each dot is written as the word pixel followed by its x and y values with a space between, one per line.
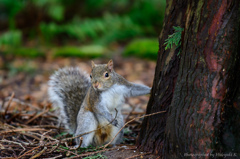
pixel 28 124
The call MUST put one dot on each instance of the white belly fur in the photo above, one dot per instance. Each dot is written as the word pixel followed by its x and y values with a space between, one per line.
pixel 113 99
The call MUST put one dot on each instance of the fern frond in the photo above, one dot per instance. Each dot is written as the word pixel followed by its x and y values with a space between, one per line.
pixel 174 39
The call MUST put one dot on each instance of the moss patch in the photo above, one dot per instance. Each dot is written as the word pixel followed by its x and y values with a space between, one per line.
pixel 24 52
pixel 28 52
pixel 91 51
pixel 144 48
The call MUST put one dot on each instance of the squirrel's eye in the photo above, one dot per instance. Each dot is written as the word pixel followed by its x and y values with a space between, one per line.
pixel 106 75
pixel 90 76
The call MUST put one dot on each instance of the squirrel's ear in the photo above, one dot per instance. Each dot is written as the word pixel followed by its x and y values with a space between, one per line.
pixel 93 64
pixel 110 65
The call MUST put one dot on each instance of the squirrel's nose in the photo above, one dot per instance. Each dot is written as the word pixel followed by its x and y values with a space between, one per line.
pixel 96 85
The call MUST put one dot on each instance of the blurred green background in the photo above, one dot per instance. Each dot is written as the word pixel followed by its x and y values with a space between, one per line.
pixel 80 28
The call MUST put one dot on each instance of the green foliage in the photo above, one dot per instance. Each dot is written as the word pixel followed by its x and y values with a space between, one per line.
pixel 90 51
pixel 145 48
pixel 148 13
pixel 103 30
pixel 55 9
pixel 174 39
pixel 97 156
pixel 11 8
pixel 110 27
pixel 61 22
pixel 11 38
pixel 101 21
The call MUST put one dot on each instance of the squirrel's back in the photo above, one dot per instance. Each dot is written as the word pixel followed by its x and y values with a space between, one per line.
pixel 67 89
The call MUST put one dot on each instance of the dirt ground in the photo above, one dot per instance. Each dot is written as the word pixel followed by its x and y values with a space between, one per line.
pixel 129 152
pixel 24 105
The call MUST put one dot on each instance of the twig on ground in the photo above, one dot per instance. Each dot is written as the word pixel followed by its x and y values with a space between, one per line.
pixel 41 142
pixel 13 142
pixel 22 129
pixel 30 135
pixel 29 151
pixel 2 147
pixel 40 153
pixel 36 116
pixel 79 145
pixel 54 157
pixel 36 126
pixel 70 152
pixel 25 143
pixel 9 103
pixel 14 153
pixel 47 126
pixel 54 148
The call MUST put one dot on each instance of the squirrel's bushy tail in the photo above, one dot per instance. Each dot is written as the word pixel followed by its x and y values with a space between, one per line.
pixel 67 89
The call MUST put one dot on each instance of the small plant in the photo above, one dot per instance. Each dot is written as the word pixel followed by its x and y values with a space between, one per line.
pixel 127 131
pixel 87 149
pixel 174 39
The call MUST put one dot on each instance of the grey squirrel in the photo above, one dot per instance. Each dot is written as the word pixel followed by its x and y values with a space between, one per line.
pixel 88 104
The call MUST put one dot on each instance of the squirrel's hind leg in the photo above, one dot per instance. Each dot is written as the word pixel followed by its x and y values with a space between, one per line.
pixel 119 137
pixel 86 122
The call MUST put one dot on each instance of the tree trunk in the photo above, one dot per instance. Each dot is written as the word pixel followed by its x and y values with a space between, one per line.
pixel 200 89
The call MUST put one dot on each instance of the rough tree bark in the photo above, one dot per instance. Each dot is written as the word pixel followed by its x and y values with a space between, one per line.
pixel 200 90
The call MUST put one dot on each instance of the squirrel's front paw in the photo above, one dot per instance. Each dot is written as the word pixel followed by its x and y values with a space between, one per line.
pixel 115 123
